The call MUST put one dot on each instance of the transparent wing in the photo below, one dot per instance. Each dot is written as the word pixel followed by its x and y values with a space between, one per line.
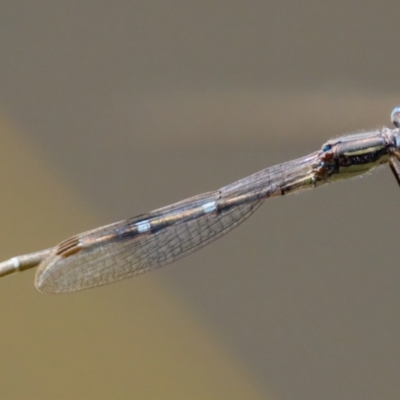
pixel 149 241
pixel 118 251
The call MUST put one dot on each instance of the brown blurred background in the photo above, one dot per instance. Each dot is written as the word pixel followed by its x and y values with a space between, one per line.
pixel 111 109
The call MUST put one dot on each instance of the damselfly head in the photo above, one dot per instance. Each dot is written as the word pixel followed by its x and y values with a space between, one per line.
pixel 395 117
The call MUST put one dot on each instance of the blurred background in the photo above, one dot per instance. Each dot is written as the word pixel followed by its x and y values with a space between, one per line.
pixel 112 109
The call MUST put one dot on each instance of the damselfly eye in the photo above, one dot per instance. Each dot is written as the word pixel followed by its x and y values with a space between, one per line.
pixel 326 147
pixel 395 117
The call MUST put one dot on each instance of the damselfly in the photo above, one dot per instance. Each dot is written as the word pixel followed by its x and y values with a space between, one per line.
pixel 149 241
